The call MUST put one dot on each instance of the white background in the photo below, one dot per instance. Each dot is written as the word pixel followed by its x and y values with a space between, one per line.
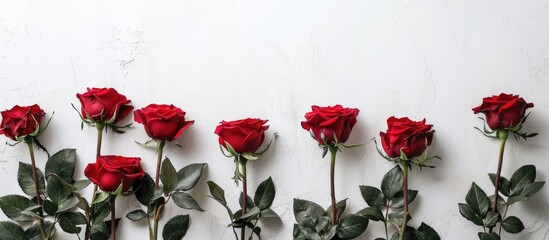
pixel 226 60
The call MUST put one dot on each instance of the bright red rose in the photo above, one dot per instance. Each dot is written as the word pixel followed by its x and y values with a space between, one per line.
pixel 403 134
pixel 326 122
pixel 162 122
pixel 19 122
pixel 108 172
pixel 244 136
pixel 503 111
pixel 104 105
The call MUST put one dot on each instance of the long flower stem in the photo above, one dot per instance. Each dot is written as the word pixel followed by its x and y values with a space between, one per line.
pixel 502 134
pixel 244 198
pixel 112 200
pixel 404 164
pixel 157 211
pixel 333 152
pixel 36 188
pixel 100 127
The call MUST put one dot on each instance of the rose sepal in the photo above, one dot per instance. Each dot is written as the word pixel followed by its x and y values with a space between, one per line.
pixel 110 123
pixel 515 130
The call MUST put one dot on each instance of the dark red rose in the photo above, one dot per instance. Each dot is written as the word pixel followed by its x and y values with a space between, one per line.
pixel 326 122
pixel 19 122
pixel 244 136
pixel 503 111
pixel 403 134
pixel 104 105
pixel 162 122
pixel 108 172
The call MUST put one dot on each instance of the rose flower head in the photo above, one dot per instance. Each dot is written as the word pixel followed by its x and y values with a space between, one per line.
pixel 330 125
pixel 103 105
pixel 406 136
pixel 19 122
pixel 243 136
pixel 504 111
pixel 109 171
pixel 162 122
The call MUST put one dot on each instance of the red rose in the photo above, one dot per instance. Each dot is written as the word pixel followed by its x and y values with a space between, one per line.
pixel 503 111
pixel 244 136
pixel 104 105
pixel 403 134
pixel 326 122
pixel 162 122
pixel 108 172
pixel 19 122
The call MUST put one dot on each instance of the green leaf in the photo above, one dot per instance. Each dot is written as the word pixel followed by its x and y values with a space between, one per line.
pixel 503 184
pixel 10 231
pixel 469 214
pixel 251 214
pixel 74 217
pixel 101 197
pixel 189 176
pixel 373 196
pixel 62 164
pixel 308 233
pixel 514 199
pixel 351 226
pixel 426 232
pixel 330 232
pixel 186 201
pixel 269 213
pixel 341 205
pixel 101 211
pixel 398 200
pixel 307 213
pixel 67 204
pixel 265 193
pixel 530 189
pixel 500 203
pixel 491 219
pixel 136 215
pixel 176 228
pixel 297 234
pixel 372 213
pixel 144 189
pixel 168 176
pixel 33 232
pixel 26 181
pixel 477 200
pixel 522 177
pixel 56 190
pixel 409 234
pixel 100 231
pixel 81 184
pixel 49 207
pixel 398 217
pixel 13 205
pixel 69 226
pixel 392 182
pixel 218 194
pixel 512 224
pixel 488 236
pixel 249 202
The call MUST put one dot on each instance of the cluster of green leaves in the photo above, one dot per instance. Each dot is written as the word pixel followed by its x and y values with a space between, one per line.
pixel 175 185
pixel 478 207
pixel 259 207
pixel 313 222
pixel 59 196
pixel 390 200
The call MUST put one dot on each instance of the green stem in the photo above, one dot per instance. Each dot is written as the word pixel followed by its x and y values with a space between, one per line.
pixel 100 127
pixel 244 198
pixel 112 200
pixel 29 141
pixel 502 134
pixel 333 152
pixel 404 164
pixel 159 152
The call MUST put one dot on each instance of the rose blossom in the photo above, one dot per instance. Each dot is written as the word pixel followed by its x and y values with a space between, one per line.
pixel 410 137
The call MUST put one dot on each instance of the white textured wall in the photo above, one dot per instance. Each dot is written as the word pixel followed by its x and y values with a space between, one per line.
pixel 224 60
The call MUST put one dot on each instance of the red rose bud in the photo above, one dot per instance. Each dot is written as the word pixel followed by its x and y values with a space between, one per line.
pixel 403 134
pixel 503 111
pixel 19 122
pixel 244 136
pixel 325 123
pixel 108 172
pixel 104 105
pixel 162 122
